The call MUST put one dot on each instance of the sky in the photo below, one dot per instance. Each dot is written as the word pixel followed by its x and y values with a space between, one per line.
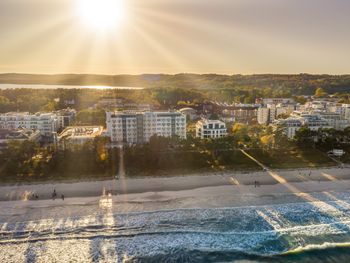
pixel 176 36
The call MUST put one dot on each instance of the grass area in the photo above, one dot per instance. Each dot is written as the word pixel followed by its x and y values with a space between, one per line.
pixel 172 163
pixel 292 158
pixel 140 165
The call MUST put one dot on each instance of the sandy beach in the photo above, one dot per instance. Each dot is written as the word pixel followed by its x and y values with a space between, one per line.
pixel 152 217
pixel 151 194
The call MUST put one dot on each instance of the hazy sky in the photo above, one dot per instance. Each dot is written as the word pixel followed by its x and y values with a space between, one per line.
pixel 172 36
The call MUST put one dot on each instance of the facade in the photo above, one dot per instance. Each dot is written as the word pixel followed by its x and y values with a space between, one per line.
pixel 263 115
pixel 79 135
pixel 17 135
pixel 346 111
pixel 266 101
pixel 139 127
pixel 210 129
pixel 292 124
pixel 315 122
pixel 271 112
pixel 289 126
pixel 121 104
pixel 244 114
pixel 46 123
pixel 334 120
pixel 342 109
pixel 190 113
pixel 65 117
pixel 239 112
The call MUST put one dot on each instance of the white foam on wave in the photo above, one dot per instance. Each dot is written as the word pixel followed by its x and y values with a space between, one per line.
pixel 266 230
pixel 322 246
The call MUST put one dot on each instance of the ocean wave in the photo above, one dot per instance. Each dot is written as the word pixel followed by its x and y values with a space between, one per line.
pixel 258 233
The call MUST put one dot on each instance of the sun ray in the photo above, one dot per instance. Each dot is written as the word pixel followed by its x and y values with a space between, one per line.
pixel 101 14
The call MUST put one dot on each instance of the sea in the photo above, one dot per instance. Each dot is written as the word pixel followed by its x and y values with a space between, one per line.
pixel 42 86
pixel 293 232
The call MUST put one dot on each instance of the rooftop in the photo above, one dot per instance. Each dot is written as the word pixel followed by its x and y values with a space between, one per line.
pixel 207 121
pixel 81 132
pixel 20 134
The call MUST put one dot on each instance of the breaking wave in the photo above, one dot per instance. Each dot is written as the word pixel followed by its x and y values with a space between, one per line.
pixel 275 233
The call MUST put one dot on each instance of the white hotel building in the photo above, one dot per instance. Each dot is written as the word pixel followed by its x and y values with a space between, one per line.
pixel 139 127
pixel 46 123
pixel 210 129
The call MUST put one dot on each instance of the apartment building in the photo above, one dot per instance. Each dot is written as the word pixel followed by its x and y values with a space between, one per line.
pixel 190 113
pixel 333 119
pixel 46 123
pixel 139 127
pixel 265 101
pixel 342 109
pixel 292 124
pixel 111 104
pixel 210 129
pixel 65 117
pixel 271 112
pixel 263 115
pixel 238 112
pixel 315 122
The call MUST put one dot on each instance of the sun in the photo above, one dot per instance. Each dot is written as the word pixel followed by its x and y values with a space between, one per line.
pixel 101 14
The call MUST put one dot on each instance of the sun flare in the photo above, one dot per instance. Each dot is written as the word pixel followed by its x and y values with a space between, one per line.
pixel 101 14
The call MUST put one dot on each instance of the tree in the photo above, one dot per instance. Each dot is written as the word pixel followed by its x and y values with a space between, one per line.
pixel 267 141
pixel 283 116
pixel 91 117
pixel 280 138
pixel 240 132
pixel 214 116
pixel 305 137
pixel 319 93
pixel 6 105
pixel 50 106
pixel 300 99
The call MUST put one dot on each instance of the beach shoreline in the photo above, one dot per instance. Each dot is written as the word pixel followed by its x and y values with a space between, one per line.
pixel 153 215
pixel 93 188
pixel 153 194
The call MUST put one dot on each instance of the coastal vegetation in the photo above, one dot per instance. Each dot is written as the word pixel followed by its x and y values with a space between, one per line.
pixel 28 161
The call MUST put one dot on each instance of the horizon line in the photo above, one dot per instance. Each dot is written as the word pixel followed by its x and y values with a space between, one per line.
pixel 174 74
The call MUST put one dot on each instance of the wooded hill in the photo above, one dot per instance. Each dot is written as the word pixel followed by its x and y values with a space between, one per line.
pixel 304 84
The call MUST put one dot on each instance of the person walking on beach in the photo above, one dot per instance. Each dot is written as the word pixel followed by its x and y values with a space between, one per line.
pixel 62 196
pixel 54 194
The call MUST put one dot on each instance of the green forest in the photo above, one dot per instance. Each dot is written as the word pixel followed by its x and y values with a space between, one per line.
pixel 296 84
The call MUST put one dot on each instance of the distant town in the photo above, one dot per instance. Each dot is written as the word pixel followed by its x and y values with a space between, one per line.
pixel 306 131
pixel 135 123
